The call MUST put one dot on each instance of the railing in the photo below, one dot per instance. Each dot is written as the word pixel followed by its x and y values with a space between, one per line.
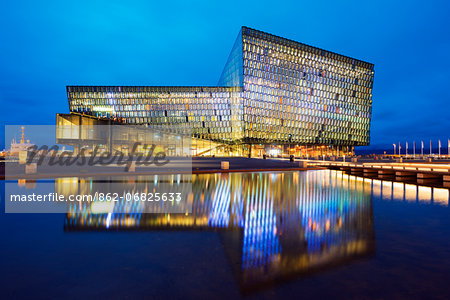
pixel 411 167
pixel 392 166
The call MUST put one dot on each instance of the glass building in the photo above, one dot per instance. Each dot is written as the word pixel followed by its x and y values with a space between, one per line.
pixel 277 95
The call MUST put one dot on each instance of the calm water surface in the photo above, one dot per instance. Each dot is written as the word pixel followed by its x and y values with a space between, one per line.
pixel 305 235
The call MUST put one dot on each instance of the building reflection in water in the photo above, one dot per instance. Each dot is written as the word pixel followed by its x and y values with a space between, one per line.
pixel 272 225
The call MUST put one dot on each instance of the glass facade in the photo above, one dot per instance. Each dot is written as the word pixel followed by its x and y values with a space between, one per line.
pixel 212 113
pixel 295 93
pixel 271 91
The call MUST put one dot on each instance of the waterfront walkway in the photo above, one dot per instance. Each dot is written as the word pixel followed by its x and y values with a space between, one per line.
pixel 411 171
pixel 196 166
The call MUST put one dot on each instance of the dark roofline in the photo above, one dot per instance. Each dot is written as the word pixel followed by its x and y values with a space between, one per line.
pixel 141 88
pixel 295 42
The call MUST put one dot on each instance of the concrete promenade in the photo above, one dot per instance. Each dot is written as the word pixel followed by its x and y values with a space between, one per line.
pixel 435 173
pixel 198 166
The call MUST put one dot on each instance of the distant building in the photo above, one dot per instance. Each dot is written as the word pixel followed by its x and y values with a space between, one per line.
pixel 273 93
pixel 22 146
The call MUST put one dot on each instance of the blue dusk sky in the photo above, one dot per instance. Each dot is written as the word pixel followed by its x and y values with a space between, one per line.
pixel 46 45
